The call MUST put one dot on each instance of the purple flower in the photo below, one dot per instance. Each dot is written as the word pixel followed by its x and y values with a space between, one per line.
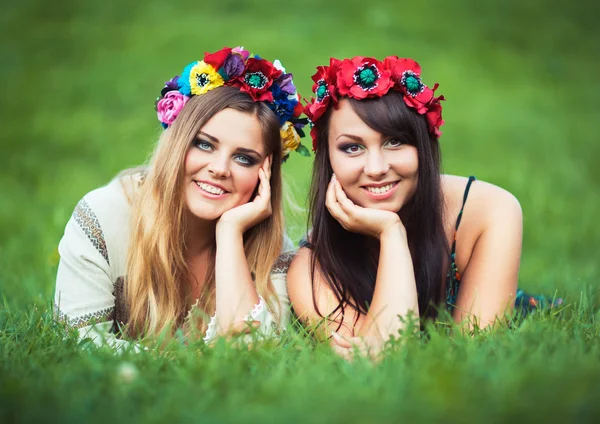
pixel 172 83
pixel 285 84
pixel 234 66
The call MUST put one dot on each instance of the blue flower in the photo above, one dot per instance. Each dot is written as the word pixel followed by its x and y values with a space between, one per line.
pixel 184 80
pixel 282 106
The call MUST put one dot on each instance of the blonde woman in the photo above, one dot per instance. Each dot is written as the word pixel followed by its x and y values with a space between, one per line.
pixel 195 239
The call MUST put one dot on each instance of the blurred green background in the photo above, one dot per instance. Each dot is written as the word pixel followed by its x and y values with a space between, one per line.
pixel 520 78
pixel 79 80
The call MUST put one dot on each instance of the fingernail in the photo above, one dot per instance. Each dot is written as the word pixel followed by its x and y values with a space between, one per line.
pixel 333 176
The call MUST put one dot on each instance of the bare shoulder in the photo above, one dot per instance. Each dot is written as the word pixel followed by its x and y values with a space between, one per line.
pixel 486 203
pixel 298 275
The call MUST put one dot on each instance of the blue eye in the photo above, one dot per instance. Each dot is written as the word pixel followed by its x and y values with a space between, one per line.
pixel 244 160
pixel 203 145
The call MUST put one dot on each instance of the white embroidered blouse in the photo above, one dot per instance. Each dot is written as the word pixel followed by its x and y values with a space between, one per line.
pixel 93 254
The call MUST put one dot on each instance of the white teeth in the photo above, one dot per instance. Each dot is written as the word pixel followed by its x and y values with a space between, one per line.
pixel 379 190
pixel 210 188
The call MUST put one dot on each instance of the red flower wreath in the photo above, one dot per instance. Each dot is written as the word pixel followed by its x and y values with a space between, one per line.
pixel 362 78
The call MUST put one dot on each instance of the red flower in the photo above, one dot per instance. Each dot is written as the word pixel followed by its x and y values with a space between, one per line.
pixel 297 110
pixel 407 76
pixel 324 89
pixel 434 114
pixel 217 59
pixel 257 78
pixel 362 77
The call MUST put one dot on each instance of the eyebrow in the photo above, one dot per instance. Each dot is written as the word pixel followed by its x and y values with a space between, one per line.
pixel 249 151
pixel 215 139
pixel 352 137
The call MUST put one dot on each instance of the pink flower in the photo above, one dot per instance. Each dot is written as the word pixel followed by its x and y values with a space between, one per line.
pixel 169 106
pixel 240 50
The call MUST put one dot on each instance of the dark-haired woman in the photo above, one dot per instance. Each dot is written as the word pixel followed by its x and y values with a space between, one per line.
pixel 391 236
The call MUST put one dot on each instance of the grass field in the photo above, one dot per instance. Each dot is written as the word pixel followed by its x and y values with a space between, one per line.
pixel 79 82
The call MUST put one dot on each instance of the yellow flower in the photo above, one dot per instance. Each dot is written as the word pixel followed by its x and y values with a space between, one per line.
pixel 203 78
pixel 289 138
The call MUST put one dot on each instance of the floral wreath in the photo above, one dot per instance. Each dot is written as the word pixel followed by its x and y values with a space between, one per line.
pixel 262 80
pixel 365 77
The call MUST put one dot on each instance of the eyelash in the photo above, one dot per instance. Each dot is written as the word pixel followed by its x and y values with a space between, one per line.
pixel 400 143
pixel 345 148
pixel 243 160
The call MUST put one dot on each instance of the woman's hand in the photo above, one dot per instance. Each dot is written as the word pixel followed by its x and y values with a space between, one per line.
pixel 245 216
pixel 350 347
pixel 354 218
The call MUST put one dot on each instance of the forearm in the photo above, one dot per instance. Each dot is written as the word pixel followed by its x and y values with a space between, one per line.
pixel 235 291
pixel 395 292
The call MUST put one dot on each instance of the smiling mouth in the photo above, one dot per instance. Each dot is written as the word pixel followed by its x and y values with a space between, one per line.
pixel 210 188
pixel 380 190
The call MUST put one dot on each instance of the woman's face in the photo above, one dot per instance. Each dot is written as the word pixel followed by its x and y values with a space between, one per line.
pixel 374 170
pixel 221 166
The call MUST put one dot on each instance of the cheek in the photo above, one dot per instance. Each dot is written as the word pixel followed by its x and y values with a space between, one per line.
pixel 346 170
pixel 406 162
pixel 246 183
pixel 192 161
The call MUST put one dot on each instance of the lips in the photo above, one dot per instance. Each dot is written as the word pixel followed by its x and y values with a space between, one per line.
pixel 381 191
pixel 211 188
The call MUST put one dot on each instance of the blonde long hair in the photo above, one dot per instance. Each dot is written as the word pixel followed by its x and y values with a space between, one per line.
pixel 157 283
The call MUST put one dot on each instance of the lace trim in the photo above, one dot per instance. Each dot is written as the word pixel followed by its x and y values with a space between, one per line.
pixel 257 310
pixel 211 330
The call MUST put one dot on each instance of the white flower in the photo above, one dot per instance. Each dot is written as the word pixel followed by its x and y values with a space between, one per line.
pixel 277 64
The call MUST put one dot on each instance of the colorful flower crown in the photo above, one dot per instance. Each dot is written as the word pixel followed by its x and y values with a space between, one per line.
pixel 364 77
pixel 262 80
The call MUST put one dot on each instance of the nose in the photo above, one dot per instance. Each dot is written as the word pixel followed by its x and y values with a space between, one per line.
pixel 219 166
pixel 376 164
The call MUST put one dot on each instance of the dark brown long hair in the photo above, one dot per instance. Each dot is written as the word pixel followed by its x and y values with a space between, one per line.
pixel 344 258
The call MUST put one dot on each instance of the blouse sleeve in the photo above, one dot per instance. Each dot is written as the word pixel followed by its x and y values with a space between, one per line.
pixel 84 291
pixel 271 323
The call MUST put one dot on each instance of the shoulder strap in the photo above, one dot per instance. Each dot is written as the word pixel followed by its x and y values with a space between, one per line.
pixel 467 188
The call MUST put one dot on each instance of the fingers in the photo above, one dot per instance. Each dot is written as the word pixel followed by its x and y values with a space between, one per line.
pixel 346 204
pixel 263 197
pixel 266 166
pixel 332 204
pixel 340 340
pixel 343 352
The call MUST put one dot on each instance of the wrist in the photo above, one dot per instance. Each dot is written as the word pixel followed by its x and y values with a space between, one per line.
pixel 393 231
pixel 228 230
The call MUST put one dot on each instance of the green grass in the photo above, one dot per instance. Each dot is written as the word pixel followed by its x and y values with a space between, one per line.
pixel 79 82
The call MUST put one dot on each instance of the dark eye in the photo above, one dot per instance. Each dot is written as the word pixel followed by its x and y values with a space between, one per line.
pixel 203 145
pixel 394 142
pixel 351 148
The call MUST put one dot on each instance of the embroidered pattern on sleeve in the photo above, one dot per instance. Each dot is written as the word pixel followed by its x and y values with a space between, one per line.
pixel 87 221
pixel 102 315
pixel 283 263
